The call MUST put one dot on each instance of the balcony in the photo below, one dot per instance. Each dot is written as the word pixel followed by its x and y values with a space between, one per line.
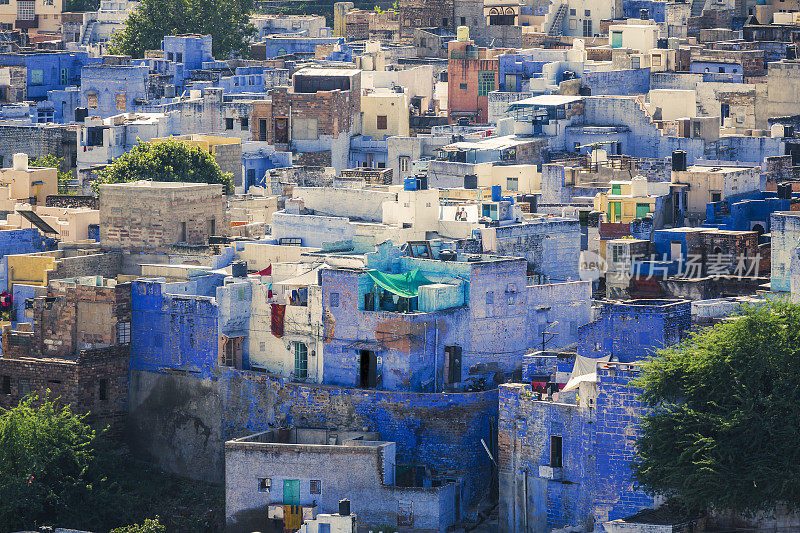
pixel 20 24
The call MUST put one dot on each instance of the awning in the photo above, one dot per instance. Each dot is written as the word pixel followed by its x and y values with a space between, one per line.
pixel 406 285
pixel 366 345
pixel 585 369
pixel 303 280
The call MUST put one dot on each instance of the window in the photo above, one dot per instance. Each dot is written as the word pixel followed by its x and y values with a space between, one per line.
pixel 512 184
pixel 315 486
pixel 37 76
pixel 716 196
pixel 264 484
pixel 304 129
pixel 5 385
pixel 24 387
pixel 489 297
pixel 616 189
pixel 244 123
pixel 3 3
pixel 334 299
pixel 404 163
pixel 556 459
pixel 381 122
pixel 463 21
pixel 485 82
pixel 462 86
pixel 572 12
pixel 656 61
pixel 182 232
pixel 64 76
pixel 26 10
pixel 721 70
pixel 300 360
pixel 123 332
pixel 91 100
pixel 102 390
pixel 444 22
pixel 228 123
pixel 587 27
pixel 587 13
pixel 122 101
pixel 725 110
pixel 262 346
pixel 170 56
pixel 179 57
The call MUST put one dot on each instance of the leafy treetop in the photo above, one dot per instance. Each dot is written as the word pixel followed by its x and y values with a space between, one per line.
pixel 725 423
pixel 227 21
pixel 167 160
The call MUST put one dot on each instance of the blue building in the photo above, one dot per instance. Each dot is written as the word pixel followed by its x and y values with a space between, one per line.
pixel 746 211
pixel 114 87
pixel 633 330
pixel 190 50
pixel 656 9
pixel 20 241
pixel 257 158
pixel 280 45
pixel 567 461
pixel 48 71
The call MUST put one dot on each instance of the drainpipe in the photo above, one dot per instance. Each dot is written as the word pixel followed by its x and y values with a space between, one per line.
pixel 436 356
pixel 525 501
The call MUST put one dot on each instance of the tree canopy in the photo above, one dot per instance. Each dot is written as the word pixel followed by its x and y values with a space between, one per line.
pixel 56 470
pixel 724 430
pixel 227 21
pixel 45 458
pixel 51 161
pixel 167 160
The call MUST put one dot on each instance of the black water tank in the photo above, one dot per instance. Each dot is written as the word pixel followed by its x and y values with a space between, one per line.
pixel 663 44
pixel 471 181
pixel 463 121
pixel 791 52
pixel 344 507
pixel 422 183
pixel 81 113
pixel 678 161
pixel 784 191
pixel 239 269
pixel 644 14
pixel 448 255
pixel 788 131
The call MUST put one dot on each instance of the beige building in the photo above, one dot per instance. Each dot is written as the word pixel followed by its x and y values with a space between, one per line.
pixel 24 184
pixel 35 16
pixel 71 224
pixel 150 214
pixel 713 184
pixel 384 113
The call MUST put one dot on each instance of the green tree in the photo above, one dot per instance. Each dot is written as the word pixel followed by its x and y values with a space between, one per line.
pixel 725 425
pixel 45 457
pixel 148 526
pixel 167 160
pixel 51 161
pixel 227 21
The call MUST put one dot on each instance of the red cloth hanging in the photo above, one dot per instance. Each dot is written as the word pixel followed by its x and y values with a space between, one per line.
pixel 278 312
pixel 266 272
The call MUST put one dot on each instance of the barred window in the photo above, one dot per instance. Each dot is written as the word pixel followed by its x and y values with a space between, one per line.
pixel 485 82
pixel 123 332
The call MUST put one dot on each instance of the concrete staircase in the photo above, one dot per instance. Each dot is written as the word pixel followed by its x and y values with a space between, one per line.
pixel 558 19
pixel 86 38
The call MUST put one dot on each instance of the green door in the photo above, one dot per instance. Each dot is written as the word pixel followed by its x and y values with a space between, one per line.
pixel 642 210
pixel 291 492
pixel 614 211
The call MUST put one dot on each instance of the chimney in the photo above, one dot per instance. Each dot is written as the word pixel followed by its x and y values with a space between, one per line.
pixel 21 162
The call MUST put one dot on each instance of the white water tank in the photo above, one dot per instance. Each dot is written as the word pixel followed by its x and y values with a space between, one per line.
pixel 21 162
pixel 462 34
pixel 639 186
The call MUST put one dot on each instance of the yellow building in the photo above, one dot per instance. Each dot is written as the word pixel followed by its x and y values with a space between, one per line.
pixel 626 201
pixel 384 114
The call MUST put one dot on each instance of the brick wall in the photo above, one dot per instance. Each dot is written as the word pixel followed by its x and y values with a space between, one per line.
pixel 334 110
pixel 152 217
pixel 72 201
pixel 95 382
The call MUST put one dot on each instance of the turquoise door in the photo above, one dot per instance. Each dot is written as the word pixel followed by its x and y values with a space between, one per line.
pixel 291 492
